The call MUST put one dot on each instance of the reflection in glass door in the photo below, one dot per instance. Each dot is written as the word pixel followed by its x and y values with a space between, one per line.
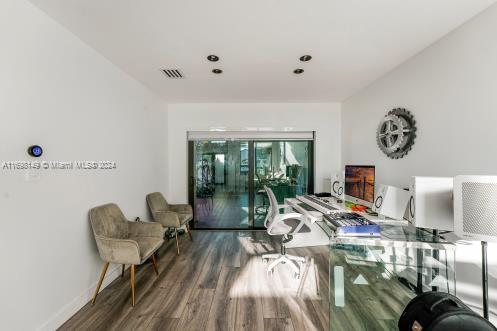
pixel 284 166
pixel 220 178
pixel 227 179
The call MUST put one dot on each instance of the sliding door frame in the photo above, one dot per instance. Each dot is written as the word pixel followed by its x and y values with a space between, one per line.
pixel 251 192
pixel 191 182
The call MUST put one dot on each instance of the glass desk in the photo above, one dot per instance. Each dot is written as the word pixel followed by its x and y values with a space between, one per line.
pixel 373 279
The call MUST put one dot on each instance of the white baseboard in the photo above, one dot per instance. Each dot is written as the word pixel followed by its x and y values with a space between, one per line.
pixel 77 303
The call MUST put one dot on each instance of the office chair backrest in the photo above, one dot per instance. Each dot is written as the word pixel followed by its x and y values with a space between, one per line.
pixel 273 207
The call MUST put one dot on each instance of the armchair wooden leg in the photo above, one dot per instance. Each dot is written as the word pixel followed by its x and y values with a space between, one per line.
pixel 133 285
pixel 189 232
pixel 154 263
pixel 102 275
pixel 122 272
pixel 177 240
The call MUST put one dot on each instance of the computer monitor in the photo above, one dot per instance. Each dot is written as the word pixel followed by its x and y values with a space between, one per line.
pixel 359 184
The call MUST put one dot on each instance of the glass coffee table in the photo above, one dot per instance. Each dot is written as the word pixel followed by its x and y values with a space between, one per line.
pixel 373 279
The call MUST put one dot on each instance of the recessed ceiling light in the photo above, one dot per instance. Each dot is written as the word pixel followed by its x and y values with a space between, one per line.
pixel 213 58
pixel 298 71
pixel 305 58
pixel 217 71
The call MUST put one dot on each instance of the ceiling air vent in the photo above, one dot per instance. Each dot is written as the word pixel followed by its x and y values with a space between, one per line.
pixel 172 73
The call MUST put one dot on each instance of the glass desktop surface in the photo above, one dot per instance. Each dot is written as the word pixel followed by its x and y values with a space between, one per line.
pixel 373 279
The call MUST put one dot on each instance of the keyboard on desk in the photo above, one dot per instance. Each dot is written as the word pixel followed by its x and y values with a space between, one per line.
pixel 317 204
pixel 306 206
pixel 344 218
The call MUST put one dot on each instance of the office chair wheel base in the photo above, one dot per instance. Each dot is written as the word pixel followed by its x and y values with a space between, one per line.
pixel 270 273
pixel 265 261
pixel 296 276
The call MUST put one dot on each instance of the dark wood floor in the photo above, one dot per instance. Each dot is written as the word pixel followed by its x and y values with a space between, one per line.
pixel 224 210
pixel 217 283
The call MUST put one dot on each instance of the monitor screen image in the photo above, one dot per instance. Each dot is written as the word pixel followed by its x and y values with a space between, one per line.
pixel 359 182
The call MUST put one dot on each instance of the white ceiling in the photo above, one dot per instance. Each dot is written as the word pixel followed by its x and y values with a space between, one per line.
pixel 353 42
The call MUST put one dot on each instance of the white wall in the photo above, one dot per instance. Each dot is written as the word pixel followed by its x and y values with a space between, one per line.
pixel 324 118
pixel 58 92
pixel 451 88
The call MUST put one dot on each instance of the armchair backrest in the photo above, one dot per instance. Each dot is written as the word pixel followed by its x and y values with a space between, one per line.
pixel 109 221
pixel 273 207
pixel 157 202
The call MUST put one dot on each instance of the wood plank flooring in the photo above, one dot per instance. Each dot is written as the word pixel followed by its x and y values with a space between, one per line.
pixel 223 210
pixel 217 283
pixel 228 210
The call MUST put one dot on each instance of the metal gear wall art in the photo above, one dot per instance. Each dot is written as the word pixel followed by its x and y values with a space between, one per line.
pixel 396 133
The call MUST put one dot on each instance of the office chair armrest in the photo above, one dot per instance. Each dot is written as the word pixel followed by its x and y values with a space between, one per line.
pixel 283 217
pixel 145 229
pixel 168 219
pixel 306 214
pixel 311 218
pixel 119 251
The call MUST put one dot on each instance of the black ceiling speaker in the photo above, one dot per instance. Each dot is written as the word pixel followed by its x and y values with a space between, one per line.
pixel 213 58
pixel 217 71
pixel 305 58
pixel 298 71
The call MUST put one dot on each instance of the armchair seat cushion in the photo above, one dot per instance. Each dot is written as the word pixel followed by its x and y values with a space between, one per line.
pixel 183 218
pixel 121 241
pixel 181 209
pixel 169 215
pixel 147 246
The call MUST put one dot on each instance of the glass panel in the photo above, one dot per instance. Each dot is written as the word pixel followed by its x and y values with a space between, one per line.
pixel 221 184
pixel 373 279
pixel 284 167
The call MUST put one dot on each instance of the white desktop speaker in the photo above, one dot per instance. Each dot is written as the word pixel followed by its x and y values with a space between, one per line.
pixel 475 207
pixel 337 187
pixel 430 205
pixel 391 201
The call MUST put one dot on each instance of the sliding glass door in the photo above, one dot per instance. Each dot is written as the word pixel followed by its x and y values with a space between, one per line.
pixel 227 179
pixel 284 167
pixel 221 197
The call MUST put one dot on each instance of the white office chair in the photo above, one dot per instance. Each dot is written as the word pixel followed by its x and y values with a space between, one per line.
pixel 286 225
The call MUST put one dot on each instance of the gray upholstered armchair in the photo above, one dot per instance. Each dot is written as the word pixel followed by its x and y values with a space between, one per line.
pixel 123 242
pixel 168 215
